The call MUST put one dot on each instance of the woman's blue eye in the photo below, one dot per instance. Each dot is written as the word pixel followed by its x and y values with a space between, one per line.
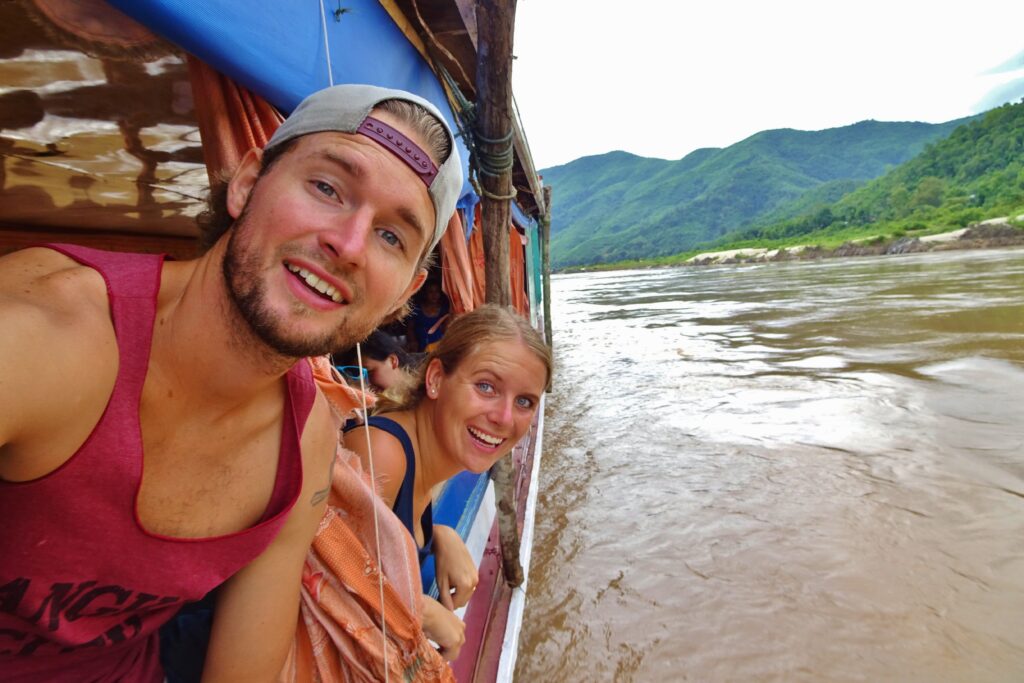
pixel 524 402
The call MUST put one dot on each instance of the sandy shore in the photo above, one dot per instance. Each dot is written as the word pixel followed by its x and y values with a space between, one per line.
pixel 995 232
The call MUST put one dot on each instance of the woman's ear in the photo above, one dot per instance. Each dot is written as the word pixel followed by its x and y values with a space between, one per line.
pixel 393 361
pixel 432 377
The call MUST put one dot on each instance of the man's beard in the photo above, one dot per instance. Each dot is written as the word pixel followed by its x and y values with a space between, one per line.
pixel 247 290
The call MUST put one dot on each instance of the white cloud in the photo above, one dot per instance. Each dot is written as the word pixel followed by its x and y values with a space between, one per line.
pixel 664 78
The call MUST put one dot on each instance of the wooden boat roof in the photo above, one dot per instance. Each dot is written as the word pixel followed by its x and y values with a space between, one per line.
pixel 94 143
pixel 99 143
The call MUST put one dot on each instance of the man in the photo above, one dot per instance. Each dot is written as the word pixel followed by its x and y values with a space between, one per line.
pixel 159 430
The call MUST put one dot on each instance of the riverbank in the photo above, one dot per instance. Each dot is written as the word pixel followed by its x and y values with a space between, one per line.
pixel 990 234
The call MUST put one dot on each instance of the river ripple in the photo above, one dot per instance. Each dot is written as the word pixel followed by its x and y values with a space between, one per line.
pixel 792 472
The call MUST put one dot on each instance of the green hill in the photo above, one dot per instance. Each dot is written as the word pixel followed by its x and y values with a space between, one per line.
pixel 617 205
pixel 976 172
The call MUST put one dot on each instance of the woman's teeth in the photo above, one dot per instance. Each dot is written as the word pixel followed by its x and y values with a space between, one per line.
pixel 486 438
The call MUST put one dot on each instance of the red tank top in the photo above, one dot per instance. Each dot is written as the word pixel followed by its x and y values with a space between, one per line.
pixel 83 587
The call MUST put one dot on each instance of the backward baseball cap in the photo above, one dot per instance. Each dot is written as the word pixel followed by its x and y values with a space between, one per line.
pixel 347 108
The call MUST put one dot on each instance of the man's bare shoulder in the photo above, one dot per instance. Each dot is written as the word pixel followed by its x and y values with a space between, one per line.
pixel 53 309
pixel 58 354
pixel 56 287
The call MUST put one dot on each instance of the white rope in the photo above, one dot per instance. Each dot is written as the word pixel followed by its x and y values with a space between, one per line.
pixel 327 45
pixel 373 479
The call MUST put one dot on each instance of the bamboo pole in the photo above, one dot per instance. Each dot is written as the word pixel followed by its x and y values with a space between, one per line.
pixel 545 227
pixel 495 22
pixel 494 127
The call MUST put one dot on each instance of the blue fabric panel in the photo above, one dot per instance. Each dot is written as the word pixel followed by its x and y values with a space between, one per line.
pixel 467 203
pixel 519 217
pixel 457 507
pixel 276 47
pixel 533 269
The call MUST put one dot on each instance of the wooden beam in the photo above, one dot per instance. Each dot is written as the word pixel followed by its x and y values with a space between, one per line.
pixel 545 228
pixel 449 38
pixel 495 22
pixel 525 160
pixel 494 139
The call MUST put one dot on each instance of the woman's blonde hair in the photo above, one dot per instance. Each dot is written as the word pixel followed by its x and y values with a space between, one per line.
pixel 465 335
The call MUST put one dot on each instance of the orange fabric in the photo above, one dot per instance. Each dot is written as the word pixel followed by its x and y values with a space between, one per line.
pixel 339 636
pixel 231 119
pixel 517 272
pixel 457 277
pixel 478 259
pixel 516 266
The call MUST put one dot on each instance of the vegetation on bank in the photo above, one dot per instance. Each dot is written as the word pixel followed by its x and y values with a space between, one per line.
pixel 977 173
pixel 823 244
pixel 618 205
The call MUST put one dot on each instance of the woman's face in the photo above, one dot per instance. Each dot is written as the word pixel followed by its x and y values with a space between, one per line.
pixel 485 406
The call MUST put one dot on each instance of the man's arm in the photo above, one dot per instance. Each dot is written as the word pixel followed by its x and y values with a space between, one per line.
pixel 257 609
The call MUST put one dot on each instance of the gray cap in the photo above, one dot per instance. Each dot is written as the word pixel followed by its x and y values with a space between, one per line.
pixel 345 108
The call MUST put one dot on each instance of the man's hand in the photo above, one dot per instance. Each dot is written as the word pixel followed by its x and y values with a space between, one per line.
pixel 443 627
pixel 457 575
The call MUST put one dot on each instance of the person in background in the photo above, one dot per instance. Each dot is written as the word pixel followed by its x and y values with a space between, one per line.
pixel 429 318
pixel 474 398
pixel 160 430
pixel 386 362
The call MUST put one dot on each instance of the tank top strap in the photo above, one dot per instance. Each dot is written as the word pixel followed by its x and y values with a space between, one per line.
pixel 299 398
pixel 133 282
pixel 403 506
pixel 427 524
pixel 403 501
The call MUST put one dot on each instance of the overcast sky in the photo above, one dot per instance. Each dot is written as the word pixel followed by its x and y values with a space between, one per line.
pixel 663 78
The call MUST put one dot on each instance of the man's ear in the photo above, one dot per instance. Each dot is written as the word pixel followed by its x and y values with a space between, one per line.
pixel 417 282
pixel 243 180
pixel 414 286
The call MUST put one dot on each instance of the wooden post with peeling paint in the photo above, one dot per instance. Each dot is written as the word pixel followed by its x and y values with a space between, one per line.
pixel 495 23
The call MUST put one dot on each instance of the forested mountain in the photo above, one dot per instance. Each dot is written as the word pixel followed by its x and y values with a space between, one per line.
pixel 975 173
pixel 617 205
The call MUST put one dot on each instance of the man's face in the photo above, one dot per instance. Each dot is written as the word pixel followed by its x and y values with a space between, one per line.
pixel 326 243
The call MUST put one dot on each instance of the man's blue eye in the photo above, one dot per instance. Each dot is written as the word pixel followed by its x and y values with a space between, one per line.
pixel 485 387
pixel 325 188
pixel 391 238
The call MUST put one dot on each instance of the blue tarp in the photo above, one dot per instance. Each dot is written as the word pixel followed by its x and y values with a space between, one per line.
pixel 275 48
pixel 520 218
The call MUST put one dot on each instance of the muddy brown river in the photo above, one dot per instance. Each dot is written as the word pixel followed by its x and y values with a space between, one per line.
pixel 784 472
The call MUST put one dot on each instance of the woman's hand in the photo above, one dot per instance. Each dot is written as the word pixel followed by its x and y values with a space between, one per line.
pixel 443 627
pixel 454 569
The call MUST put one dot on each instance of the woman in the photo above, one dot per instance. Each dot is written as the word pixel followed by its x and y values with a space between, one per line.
pixel 475 398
